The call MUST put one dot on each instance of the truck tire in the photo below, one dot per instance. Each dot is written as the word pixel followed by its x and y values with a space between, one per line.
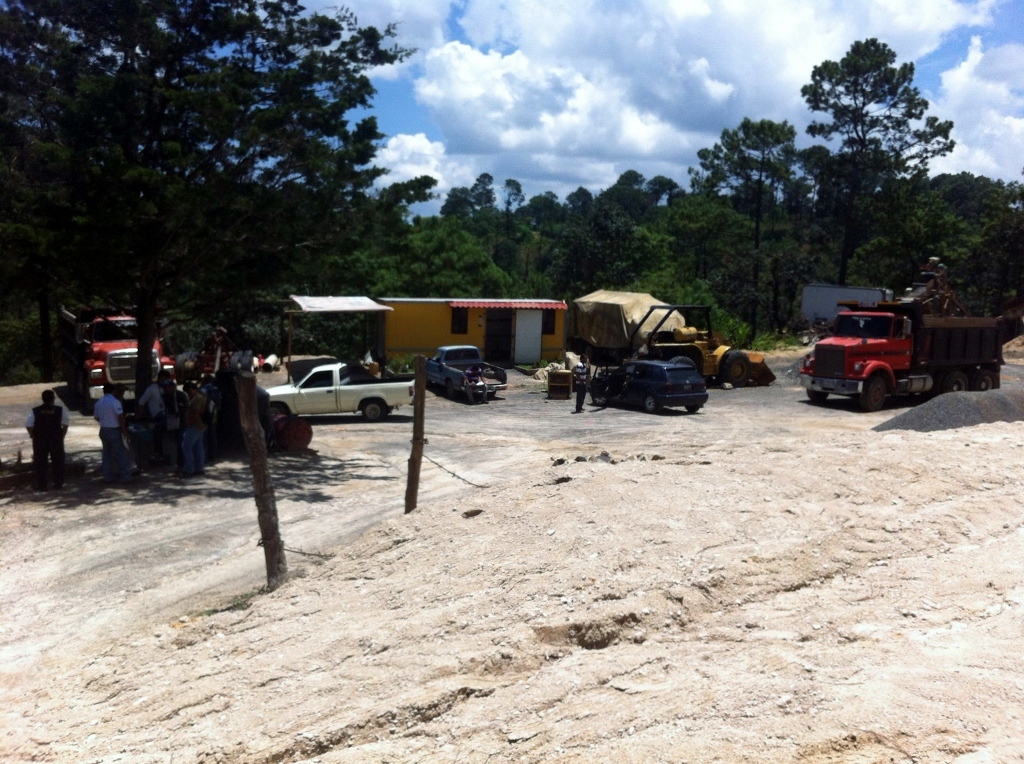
pixel 954 381
pixel 872 397
pixel 983 380
pixel 449 389
pixel 599 399
pixel 374 410
pixel 278 409
pixel 651 405
pixel 817 396
pixel 734 369
pixel 693 409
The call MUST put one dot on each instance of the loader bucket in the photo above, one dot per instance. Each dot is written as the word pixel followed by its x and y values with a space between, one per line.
pixel 760 374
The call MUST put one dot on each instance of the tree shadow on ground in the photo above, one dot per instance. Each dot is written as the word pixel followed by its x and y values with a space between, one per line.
pixel 306 476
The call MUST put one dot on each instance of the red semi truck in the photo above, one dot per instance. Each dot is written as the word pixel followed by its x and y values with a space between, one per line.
pixel 920 343
pixel 99 346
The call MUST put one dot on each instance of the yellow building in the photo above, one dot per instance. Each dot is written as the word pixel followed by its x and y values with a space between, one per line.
pixel 506 331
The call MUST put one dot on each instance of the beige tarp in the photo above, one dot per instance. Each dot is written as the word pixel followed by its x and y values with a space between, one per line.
pixel 607 319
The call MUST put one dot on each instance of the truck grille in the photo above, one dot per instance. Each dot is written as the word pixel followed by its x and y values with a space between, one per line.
pixel 829 361
pixel 121 366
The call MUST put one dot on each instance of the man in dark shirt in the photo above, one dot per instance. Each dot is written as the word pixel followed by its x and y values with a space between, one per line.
pixel 47 425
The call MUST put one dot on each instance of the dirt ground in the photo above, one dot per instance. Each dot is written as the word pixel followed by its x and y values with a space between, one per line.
pixel 764 581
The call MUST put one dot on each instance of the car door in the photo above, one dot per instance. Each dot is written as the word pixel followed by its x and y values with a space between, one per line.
pixel 636 385
pixel 317 393
pixel 617 381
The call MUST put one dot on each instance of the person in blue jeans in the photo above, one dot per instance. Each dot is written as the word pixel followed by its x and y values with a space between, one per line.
pixel 195 426
pixel 109 412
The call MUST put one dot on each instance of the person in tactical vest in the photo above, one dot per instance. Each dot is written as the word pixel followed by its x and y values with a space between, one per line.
pixel 47 425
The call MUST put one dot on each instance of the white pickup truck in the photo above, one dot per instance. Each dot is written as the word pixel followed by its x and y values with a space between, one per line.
pixel 337 388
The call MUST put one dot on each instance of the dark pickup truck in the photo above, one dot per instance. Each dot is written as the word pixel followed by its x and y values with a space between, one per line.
pixel 451 366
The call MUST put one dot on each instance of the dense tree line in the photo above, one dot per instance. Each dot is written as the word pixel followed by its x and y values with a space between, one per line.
pixel 199 161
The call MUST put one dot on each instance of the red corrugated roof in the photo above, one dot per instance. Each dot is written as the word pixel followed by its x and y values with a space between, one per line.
pixel 518 304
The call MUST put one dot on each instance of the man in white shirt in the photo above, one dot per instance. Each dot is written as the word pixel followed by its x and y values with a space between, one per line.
pixel 109 412
pixel 152 403
pixel 580 372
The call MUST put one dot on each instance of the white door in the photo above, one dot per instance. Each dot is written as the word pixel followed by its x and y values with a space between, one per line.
pixel 527 339
pixel 317 393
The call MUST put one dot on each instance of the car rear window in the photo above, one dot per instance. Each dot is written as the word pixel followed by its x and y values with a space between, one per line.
pixel 681 375
pixel 466 354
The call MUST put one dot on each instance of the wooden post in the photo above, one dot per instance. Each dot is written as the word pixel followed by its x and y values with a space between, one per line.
pixel 291 330
pixel 419 401
pixel 266 504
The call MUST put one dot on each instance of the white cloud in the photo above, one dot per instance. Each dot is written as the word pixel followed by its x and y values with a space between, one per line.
pixel 559 93
pixel 984 96
pixel 495 103
pixel 718 91
pixel 419 24
pixel 410 156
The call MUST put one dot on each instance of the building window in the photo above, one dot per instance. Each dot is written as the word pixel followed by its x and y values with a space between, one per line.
pixel 547 322
pixel 460 320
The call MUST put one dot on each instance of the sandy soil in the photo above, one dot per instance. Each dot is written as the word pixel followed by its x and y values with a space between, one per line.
pixel 765 581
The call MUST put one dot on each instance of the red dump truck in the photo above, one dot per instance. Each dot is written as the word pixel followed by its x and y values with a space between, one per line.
pixel 923 342
pixel 98 345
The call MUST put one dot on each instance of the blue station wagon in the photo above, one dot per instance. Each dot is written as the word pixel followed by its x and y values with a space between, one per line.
pixel 654 385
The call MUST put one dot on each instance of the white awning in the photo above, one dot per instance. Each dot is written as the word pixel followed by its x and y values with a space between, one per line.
pixel 338 304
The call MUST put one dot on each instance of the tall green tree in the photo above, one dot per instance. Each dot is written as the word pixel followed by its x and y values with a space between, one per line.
pixel 1000 250
pixel 752 161
pixel 877 114
pixel 194 138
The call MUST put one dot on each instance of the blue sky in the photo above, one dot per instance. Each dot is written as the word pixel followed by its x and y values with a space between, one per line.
pixel 566 93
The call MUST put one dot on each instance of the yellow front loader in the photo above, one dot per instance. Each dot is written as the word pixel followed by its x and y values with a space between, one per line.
pixel 697 341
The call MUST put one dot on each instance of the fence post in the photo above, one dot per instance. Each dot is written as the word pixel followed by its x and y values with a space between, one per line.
pixel 266 503
pixel 412 489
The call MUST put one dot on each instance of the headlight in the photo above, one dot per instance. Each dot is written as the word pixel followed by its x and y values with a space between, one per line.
pixel 96 373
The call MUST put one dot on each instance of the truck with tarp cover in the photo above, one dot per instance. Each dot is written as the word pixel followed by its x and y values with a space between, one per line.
pixel 613 326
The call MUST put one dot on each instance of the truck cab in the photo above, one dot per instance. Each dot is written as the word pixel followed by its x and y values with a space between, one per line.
pixel 99 347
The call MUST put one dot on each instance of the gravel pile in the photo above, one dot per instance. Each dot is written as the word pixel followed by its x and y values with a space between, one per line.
pixel 952 410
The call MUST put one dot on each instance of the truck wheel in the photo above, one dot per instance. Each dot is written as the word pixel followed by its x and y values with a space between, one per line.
pixel 87 405
pixel 374 410
pixel 599 399
pixel 651 405
pixel 817 396
pixel 449 389
pixel 983 380
pixel 734 369
pixel 872 397
pixel 954 382
pixel 278 409
pixel 693 409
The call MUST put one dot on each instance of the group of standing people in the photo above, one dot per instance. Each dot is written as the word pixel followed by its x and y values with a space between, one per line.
pixel 189 414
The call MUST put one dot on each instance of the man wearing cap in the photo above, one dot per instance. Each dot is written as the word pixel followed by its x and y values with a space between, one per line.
pixel 109 412
pixel 47 425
